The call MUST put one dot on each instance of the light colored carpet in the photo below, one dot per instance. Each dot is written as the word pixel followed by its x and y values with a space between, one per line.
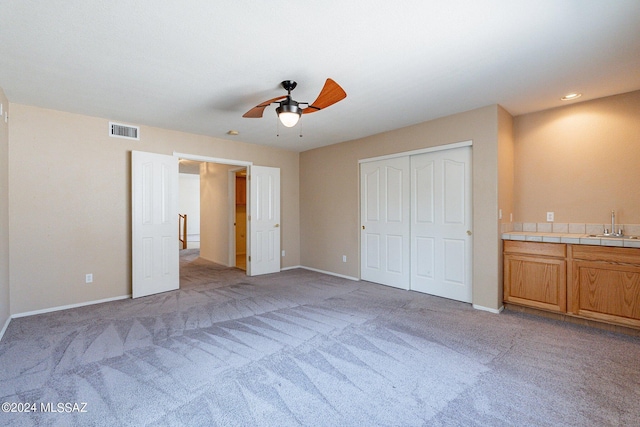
pixel 303 348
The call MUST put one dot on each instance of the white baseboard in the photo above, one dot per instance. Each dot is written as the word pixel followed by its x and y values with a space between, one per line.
pixel 291 268
pixel 65 307
pixel 330 273
pixel 490 310
pixel 4 328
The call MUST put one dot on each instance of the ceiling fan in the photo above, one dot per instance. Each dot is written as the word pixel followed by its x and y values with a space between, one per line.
pixel 290 111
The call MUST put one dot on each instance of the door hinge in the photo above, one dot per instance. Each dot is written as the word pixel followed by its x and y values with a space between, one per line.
pixel 248 217
pixel 249 258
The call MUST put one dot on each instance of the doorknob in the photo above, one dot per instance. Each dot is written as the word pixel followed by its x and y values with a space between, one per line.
pixel 277 225
pixel 469 233
pixel 363 227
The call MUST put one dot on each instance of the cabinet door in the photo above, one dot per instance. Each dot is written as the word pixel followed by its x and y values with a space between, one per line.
pixel 535 281
pixel 606 291
pixel 241 190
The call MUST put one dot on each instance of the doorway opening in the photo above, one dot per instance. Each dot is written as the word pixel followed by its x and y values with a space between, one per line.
pixel 189 204
pixel 155 218
pixel 213 204
pixel 240 218
pixel 262 206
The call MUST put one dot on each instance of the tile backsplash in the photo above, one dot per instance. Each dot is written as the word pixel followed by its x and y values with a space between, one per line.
pixel 567 228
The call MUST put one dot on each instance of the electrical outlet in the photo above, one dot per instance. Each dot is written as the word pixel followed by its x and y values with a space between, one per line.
pixel 88 278
pixel 283 253
pixel 344 258
pixel 549 216
pixel 499 213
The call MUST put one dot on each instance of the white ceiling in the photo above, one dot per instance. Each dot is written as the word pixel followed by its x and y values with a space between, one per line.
pixel 198 65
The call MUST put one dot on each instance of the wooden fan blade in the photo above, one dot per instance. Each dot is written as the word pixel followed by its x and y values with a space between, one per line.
pixel 329 95
pixel 256 112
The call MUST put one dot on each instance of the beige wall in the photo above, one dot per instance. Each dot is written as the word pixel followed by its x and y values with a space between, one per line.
pixel 4 214
pixel 215 206
pixel 579 161
pixel 505 179
pixel 329 195
pixel 68 212
pixel 70 203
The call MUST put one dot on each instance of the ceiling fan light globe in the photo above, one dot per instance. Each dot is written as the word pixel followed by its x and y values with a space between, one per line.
pixel 289 119
pixel 289 115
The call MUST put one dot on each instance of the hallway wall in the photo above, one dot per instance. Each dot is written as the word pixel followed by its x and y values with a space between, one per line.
pixel 72 203
pixel 189 204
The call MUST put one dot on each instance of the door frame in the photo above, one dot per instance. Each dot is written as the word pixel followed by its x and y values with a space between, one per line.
pixel 232 214
pixel 434 148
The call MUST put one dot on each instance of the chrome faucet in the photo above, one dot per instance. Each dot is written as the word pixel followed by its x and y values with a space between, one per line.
pixel 613 222
pixel 613 232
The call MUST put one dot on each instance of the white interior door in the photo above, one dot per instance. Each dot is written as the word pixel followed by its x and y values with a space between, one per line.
pixel 154 193
pixel 264 220
pixel 441 215
pixel 384 240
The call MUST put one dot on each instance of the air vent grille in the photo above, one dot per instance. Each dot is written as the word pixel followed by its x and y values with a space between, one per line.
pixel 118 130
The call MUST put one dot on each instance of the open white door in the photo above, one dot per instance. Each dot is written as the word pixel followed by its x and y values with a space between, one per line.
pixel 384 239
pixel 154 205
pixel 264 220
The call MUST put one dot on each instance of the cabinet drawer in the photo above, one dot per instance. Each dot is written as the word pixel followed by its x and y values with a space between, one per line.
pixel 607 254
pixel 558 250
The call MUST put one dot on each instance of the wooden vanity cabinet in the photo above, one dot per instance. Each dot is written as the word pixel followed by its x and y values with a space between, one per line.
pixel 535 275
pixel 604 284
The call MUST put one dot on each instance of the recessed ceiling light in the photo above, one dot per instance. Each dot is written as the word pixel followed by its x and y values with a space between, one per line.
pixel 571 96
pixel 233 132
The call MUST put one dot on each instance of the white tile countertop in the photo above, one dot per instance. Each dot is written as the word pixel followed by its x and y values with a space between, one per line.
pixel 573 238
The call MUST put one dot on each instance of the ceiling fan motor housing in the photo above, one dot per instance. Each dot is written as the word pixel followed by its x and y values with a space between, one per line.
pixel 289 85
pixel 288 106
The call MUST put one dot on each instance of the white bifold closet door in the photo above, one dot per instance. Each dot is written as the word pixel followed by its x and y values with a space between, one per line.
pixel 416 214
pixel 384 189
pixel 441 218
